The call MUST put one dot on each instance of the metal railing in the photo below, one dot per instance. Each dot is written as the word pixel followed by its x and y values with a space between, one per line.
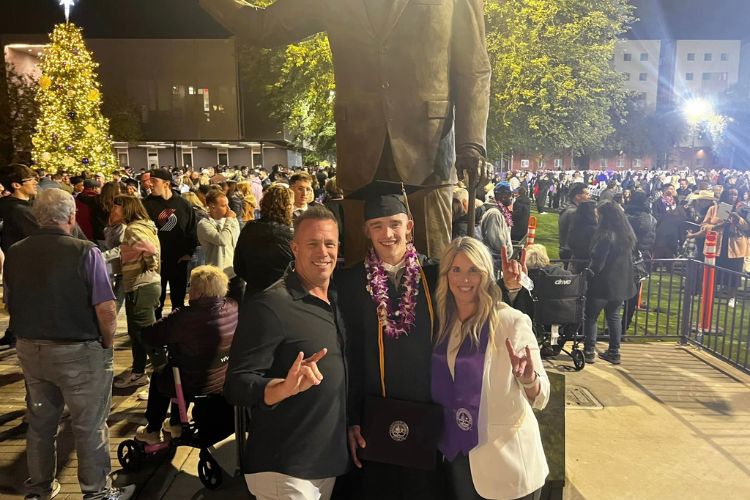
pixel 673 305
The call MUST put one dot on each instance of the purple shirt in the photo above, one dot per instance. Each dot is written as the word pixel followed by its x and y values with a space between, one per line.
pixel 96 269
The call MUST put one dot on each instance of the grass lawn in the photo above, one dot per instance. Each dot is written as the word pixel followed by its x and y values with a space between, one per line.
pixel 664 298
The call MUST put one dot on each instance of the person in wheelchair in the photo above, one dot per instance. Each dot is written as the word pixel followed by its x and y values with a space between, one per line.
pixel 198 338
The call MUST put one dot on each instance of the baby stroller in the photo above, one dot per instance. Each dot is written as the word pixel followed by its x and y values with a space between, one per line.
pixel 559 301
pixel 213 421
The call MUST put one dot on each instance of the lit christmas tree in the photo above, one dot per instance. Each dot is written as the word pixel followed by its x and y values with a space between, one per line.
pixel 71 133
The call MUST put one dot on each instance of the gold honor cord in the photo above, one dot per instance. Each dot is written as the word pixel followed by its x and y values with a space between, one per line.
pixel 381 347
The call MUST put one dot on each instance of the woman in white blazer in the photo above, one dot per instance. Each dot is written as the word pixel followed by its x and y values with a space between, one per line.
pixel 487 375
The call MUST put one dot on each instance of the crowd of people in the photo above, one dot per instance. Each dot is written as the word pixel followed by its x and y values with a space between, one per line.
pixel 338 367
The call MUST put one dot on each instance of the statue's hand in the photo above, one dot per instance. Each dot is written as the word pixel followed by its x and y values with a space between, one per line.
pixel 472 166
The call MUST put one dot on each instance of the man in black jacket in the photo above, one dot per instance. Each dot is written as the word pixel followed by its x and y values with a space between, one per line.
pixel 175 219
pixel 15 213
pixel 577 194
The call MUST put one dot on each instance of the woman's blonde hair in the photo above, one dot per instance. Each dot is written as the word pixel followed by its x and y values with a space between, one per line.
pixel 208 281
pixel 490 295
pixel 536 256
pixel 193 199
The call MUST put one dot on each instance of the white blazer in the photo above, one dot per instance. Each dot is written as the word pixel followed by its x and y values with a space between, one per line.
pixel 508 461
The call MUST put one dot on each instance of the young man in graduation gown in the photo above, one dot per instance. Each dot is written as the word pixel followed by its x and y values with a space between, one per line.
pixel 394 275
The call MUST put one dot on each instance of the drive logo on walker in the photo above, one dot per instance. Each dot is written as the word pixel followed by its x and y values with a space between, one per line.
pixel 399 431
pixel 464 419
pixel 563 282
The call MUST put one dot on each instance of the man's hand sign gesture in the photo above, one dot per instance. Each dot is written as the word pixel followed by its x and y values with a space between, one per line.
pixel 304 373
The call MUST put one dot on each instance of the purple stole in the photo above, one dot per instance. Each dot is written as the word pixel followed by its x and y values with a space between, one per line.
pixel 460 395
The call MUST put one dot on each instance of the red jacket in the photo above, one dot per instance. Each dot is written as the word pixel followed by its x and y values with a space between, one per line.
pixel 199 337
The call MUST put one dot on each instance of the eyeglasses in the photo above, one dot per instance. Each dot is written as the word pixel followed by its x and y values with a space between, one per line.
pixel 28 179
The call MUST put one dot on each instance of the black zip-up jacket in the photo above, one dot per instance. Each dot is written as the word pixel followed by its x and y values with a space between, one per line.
pixel 18 221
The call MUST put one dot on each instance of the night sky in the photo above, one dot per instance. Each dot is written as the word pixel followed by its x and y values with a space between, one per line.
pixel 675 19
pixel 692 19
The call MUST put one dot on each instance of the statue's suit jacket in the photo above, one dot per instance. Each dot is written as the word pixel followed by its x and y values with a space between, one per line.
pixel 421 80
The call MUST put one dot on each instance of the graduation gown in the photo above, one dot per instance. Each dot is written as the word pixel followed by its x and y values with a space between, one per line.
pixel 407 373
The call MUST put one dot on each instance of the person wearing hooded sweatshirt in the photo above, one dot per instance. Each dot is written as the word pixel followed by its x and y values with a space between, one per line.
pixel 176 222
pixel 139 256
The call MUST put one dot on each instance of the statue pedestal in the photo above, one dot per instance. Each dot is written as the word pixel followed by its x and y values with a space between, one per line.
pixel 552 427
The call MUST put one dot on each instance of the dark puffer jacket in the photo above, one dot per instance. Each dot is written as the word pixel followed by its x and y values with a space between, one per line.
pixel 199 337
pixel 643 224
pixel 580 234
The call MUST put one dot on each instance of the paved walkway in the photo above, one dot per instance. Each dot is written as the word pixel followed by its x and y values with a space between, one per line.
pixel 672 423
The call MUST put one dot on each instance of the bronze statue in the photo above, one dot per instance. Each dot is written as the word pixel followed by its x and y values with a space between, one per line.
pixel 412 90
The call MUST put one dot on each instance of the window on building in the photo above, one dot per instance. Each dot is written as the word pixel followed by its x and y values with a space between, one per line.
pixel 688 76
pixel 627 56
pixel 644 56
pixel 558 163
pixel 637 163
pixel 123 157
pixel 706 76
pixel 724 56
pixel 724 76
pixel 187 158
pixel 152 157
pixel 708 56
pixel 643 77
pixel 603 163
pixel 621 162
pixel 691 56
pixel 626 77
pixel 222 157
pixel 524 163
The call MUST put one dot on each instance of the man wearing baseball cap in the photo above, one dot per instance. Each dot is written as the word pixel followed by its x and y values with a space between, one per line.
pixel 175 220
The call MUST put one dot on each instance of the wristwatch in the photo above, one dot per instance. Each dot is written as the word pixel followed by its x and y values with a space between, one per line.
pixel 531 384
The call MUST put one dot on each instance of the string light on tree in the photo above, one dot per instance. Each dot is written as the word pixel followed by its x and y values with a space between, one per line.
pixel 71 133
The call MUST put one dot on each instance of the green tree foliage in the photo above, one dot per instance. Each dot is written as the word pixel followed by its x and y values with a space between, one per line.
pixel 554 86
pixel 294 85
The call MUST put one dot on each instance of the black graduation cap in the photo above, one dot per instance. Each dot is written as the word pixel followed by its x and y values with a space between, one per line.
pixel 384 198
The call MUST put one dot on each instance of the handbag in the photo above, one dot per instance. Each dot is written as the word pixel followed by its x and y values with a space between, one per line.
pixel 399 432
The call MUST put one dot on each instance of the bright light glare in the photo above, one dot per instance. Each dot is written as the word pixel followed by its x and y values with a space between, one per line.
pixel 697 110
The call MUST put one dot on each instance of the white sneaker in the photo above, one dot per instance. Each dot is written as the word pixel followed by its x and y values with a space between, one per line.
pixel 731 303
pixel 142 435
pixel 52 493
pixel 133 380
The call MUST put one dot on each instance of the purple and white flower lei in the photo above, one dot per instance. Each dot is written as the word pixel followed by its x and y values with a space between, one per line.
pixel 507 214
pixel 400 321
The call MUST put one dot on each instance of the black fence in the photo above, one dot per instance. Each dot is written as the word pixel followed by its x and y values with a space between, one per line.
pixel 674 303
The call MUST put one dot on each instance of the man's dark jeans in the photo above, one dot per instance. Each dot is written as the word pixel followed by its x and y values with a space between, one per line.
pixel 174 273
